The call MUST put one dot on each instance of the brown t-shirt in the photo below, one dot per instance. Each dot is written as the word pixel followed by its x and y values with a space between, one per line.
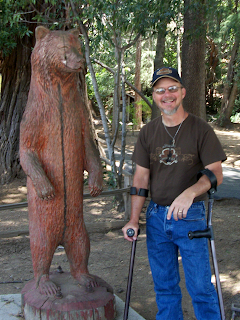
pixel 174 169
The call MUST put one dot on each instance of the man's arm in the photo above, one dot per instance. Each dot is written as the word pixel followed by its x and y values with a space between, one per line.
pixel 140 180
pixel 182 203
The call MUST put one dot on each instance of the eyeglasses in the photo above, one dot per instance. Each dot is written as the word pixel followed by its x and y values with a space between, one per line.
pixel 171 89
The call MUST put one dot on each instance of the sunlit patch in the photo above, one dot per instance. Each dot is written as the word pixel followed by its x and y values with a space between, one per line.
pixel 237 163
pixel 61 253
pixel 228 282
pixel 10 223
pixel 96 212
pixel 232 134
pixel 10 198
pixel 136 305
pixel 23 189
pixel 150 300
pixel 112 235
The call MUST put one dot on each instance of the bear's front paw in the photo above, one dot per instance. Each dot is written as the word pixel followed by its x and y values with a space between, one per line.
pixel 95 190
pixel 44 189
pixel 95 183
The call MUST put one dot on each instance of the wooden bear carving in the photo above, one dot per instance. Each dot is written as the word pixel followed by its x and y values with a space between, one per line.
pixel 55 148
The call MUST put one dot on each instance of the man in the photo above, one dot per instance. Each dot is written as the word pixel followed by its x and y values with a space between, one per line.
pixel 169 153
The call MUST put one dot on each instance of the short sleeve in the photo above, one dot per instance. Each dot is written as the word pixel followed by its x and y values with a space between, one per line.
pixel 210 148
pixel 141 155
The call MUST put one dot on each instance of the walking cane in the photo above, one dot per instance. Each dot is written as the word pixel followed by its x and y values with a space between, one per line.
pixel 208 233
pixel 130 233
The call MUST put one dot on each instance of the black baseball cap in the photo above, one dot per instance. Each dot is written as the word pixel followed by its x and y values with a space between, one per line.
pixel 165 72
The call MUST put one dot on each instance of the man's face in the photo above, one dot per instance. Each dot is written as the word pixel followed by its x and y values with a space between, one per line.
pixel 168 102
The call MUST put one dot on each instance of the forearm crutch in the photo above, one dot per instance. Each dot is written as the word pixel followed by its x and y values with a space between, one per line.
pixel 208 233
pixel 130 233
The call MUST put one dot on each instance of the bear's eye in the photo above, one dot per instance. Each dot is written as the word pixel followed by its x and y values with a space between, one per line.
pixel 64 47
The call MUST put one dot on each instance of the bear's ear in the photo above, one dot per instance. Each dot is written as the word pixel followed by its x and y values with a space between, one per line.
pixel 41 32
pixel 75 32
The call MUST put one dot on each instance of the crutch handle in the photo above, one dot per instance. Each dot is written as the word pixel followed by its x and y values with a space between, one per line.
pixel 130 232
pixel 206 233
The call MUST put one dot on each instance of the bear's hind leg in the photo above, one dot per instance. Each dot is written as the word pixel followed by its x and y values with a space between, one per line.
pixel 43 246
pixel 77 247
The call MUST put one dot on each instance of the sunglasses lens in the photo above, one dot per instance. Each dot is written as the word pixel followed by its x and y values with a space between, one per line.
pixel 160 91
pixel 170 89
pixel 173 89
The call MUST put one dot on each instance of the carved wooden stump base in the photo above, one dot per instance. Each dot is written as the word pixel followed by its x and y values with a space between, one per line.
pixel 76 302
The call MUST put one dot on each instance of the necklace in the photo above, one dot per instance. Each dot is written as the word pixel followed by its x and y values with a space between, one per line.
pixel 173 138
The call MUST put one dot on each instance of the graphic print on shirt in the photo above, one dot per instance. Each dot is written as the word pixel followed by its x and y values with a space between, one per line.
pixel 169 154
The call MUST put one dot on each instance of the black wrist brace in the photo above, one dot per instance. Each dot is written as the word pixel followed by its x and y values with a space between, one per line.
pixel 141 192
pixel 211 176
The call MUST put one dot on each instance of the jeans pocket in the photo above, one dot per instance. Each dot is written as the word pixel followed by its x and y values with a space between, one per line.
pixel 151 208
pixel 195 213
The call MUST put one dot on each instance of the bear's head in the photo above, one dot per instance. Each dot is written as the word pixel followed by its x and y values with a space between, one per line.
pixel 57 50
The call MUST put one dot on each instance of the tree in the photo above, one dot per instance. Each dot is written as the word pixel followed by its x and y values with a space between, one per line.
pixel 105 18
pixel 15 68
pixel 231 30
pixel 158 61
pixel 230 89
pixel 19 20
pixel 120 24
pixel 193 57
pixel 212 65
pixel 110 30
pixel 169 9
pixel 137 106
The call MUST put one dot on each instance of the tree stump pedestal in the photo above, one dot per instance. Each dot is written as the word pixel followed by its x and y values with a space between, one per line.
pixel 75 303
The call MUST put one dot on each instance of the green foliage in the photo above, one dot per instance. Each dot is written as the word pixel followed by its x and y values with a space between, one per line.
pixel 111 23
pixel 12 25
pixel 105 82
pixel 235 118
pixel 236 109
pixel 108 177
pixel 146 111
pixel 170 58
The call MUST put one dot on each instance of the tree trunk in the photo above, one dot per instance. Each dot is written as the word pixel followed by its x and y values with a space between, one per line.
pixel 16 75
pixel 193 58
pixel 230 90
pixel 86 102
pixel 160 47
pixel 98 97
pixel 158 62
pixel 117 89
pixel 137 84
pixel 119 197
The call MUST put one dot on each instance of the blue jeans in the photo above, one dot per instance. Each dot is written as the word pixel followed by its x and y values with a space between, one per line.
pixel 164 239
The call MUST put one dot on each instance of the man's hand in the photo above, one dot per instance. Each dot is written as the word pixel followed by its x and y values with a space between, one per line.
pixel 180 206
pixel 182 203
pixel 130 225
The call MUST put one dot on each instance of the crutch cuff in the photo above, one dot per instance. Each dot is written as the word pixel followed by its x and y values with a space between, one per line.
pixel 141 192
pixel 211 176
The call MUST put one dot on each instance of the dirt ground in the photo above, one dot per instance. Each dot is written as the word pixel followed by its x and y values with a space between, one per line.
pixel 110 253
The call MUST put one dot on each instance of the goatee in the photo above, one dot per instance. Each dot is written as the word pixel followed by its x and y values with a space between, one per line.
pixel 169 112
